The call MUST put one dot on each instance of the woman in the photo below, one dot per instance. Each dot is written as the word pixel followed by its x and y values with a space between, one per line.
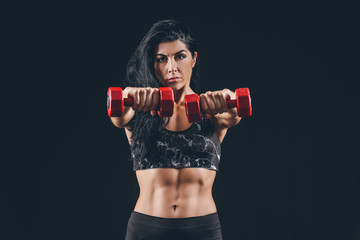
pixel 175 161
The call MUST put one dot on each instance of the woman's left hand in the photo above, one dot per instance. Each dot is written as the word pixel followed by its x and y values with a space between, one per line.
pixel 213 103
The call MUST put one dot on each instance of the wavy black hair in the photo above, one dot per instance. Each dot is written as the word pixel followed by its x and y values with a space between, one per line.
pixel 141 73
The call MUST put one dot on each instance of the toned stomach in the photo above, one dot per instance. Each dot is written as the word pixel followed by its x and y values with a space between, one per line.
pixel 175 193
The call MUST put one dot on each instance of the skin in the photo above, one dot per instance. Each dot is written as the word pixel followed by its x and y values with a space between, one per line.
pixel 170 192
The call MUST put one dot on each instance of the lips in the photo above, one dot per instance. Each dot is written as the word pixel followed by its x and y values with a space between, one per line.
pixel 173 79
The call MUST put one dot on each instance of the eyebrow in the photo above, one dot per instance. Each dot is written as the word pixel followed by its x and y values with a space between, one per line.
pixel 175 53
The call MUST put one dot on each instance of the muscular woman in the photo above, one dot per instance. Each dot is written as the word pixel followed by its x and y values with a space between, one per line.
pixel 175 161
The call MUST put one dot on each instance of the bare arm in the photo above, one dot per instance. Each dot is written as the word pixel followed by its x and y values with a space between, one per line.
pixel 121 122
pixel 215 107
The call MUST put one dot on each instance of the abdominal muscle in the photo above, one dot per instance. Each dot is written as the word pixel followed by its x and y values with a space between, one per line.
pixel 175 193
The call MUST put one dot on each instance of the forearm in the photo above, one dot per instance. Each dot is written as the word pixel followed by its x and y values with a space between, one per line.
pixel 227 119
pixel 127 115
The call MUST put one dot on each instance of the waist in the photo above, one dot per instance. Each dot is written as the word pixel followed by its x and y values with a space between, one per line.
pixel 186 222
pixel 170 206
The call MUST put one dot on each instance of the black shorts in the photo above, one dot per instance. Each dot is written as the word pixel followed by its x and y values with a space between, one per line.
pixel 142 226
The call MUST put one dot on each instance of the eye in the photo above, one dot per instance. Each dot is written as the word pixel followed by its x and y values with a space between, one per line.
pixel 181 56
pixel 162 59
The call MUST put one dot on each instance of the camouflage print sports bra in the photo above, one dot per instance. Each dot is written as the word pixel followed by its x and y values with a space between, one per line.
pixel 196 147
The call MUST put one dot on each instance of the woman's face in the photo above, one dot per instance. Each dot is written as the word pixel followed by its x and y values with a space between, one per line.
pixel 173 64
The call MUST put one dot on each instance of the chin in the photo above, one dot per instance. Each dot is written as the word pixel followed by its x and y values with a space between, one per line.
pixel 177 86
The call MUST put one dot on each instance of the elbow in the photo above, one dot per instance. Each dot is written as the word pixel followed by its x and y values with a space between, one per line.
pixel 118 125
pixel 117 122
pixel 237 120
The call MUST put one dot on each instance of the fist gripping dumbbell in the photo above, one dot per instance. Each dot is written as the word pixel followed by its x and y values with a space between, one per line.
pixel 116 102
pixel 242 103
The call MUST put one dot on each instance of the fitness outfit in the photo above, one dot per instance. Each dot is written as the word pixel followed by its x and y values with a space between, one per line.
pixel 195 147
pixel 198 146
pixel 142 226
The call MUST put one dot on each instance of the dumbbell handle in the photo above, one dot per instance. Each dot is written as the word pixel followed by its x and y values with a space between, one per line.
pixel 116 102
pixel 128 102
pixel 242 103
pixel 231 103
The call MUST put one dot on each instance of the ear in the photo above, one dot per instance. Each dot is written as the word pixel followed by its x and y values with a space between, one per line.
pixel 194 59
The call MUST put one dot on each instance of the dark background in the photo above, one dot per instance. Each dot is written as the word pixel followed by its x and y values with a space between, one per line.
pixel 291 171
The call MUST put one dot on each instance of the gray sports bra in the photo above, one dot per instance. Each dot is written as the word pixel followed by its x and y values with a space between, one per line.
pixel 196 147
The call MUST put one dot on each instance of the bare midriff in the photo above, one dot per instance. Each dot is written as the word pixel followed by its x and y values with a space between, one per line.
pixel 175 193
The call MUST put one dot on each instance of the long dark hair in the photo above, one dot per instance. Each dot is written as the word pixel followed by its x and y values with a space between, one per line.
pixel 141 73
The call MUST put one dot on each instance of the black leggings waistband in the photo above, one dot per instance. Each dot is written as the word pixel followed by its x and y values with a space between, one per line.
pixel 142 226
pixel 199 221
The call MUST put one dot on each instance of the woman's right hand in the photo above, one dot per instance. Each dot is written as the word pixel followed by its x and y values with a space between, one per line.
pixel 145 98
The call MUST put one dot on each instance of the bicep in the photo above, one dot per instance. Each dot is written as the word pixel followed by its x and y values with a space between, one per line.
pixel 221 133
pixel 128 134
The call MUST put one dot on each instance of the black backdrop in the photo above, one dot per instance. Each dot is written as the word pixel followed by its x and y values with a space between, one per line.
pixel 291 171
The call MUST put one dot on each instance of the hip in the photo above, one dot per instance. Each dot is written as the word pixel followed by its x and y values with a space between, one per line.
pixel 143 226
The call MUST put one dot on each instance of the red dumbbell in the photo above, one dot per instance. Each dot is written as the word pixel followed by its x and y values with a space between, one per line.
pixel 116 102
pixel 242 103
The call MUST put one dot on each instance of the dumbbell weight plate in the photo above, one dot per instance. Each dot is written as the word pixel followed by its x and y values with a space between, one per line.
pixel 192 106
pixel 115 103
pixel 243 101
pixel 166 102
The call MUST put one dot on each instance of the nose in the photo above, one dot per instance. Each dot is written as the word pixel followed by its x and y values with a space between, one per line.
pixel 172 65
